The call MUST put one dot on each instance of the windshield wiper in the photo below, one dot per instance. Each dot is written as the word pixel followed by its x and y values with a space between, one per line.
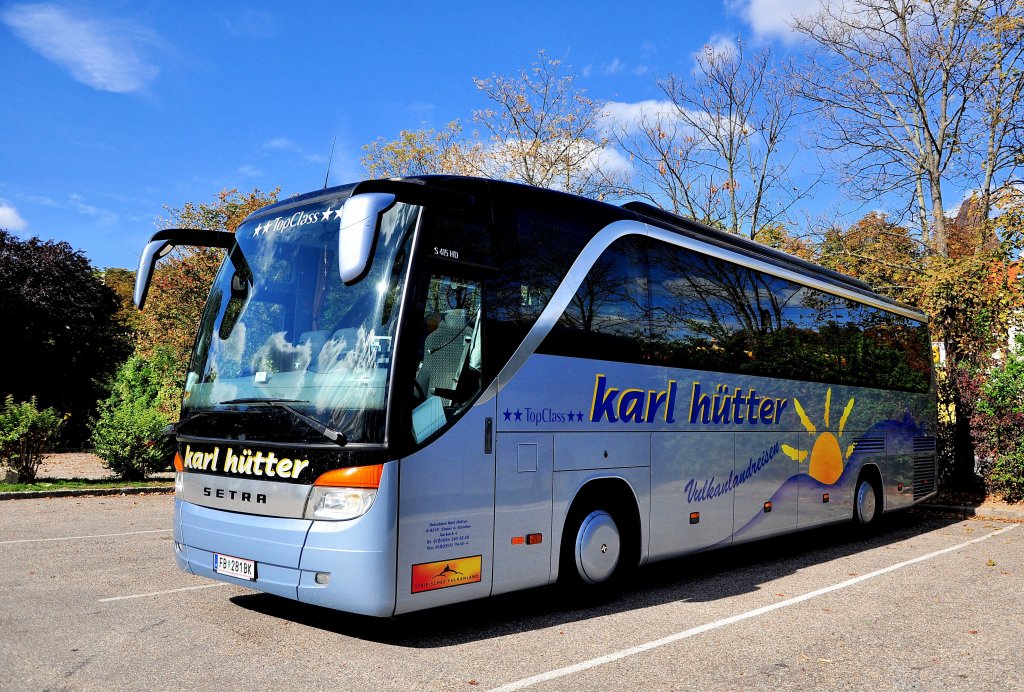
pixel 334 436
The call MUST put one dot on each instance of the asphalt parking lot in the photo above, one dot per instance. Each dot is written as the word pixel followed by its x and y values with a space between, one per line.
pixel 90 599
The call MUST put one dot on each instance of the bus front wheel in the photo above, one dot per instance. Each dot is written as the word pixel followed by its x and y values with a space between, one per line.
pixel 593 554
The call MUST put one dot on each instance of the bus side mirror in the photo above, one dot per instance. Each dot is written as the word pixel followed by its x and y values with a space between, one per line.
pixel 360 221
pixel 166 240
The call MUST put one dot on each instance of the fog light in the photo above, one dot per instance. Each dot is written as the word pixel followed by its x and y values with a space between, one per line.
pixel 322 577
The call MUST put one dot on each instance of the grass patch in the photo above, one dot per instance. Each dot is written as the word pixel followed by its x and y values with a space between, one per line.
pixel 80 483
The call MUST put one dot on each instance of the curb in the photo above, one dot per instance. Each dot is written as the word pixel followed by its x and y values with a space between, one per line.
pixel 984 512
pixel 87 492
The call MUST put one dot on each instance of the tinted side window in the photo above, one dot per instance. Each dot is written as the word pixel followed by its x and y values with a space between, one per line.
pixel 714 315
pixel 607 318
pixel 710 314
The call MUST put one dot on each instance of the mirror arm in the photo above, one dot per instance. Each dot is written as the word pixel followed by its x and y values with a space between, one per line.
pixel 166 240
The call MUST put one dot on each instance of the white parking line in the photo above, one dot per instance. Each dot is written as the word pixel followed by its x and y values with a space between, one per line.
pixel 693 631
pixel 75 538
pixel 161 593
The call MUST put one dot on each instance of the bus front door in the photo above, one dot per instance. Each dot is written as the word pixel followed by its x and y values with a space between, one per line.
pixel 522 510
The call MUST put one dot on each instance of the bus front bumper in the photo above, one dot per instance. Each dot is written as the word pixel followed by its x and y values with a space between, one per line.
pixel 345 565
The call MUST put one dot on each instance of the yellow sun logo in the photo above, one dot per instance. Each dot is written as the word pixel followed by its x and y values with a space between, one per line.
pixel 827 458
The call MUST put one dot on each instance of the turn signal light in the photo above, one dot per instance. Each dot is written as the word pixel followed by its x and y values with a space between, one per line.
pixel 767 506
pixel 534 538
pixel 694 517
pixel 352 477
pixel 824 498
pixel 179 465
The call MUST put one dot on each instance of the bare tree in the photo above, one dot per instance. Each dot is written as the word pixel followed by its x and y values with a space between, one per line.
pixel 998 117
pixel 912 93
pixel 717 151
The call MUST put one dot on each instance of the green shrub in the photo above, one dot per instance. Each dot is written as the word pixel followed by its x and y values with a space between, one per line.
pixel 1007 477
pixel 127 435
pixel 998 426
pixel 25 434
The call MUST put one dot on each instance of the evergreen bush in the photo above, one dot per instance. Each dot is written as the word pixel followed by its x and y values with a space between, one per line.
pixel 25 434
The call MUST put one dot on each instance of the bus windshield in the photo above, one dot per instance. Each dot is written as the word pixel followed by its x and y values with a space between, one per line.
pixel 280 326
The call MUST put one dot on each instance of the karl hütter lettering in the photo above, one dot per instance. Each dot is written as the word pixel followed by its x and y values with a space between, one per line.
pixel 244 463
pixel 722 404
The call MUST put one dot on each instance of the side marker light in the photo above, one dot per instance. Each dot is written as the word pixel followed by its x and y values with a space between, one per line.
pixel 824 498
pixel 694 517
pixel 518 540
pixel 767 506
pixel 534 538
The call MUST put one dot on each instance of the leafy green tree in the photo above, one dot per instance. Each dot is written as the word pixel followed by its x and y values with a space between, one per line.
pixel 997 424
pixel 127 435
pixel 64 340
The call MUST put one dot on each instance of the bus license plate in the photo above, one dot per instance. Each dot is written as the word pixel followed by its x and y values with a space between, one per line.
pixel 234 566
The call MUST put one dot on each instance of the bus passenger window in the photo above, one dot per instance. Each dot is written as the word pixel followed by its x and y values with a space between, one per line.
pixel 449 372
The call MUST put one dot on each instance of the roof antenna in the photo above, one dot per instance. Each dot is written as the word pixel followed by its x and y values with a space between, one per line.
pixel 335 141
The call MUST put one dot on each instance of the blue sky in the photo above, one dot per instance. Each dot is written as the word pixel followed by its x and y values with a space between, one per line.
pixel 113 109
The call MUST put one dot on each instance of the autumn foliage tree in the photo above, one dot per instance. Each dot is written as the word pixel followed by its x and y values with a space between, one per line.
pixel 165 330
pixel 421 152
pixel 182 281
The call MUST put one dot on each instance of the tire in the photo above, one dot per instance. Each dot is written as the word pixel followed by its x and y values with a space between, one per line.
pixel 867 503
pixel 595 549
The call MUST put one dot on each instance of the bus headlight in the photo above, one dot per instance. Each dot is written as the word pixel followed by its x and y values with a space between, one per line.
pixel 344 493
pixel 336 504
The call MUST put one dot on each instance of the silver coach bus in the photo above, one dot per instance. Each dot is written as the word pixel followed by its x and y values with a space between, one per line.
pixel 414 392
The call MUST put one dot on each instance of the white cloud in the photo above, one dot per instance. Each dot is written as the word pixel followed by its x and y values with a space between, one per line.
pixel 79 204
pixel 720 44
pixel 280 144
pixel 248 171
pixel 611 161
pixel 773 18
pixel 250 24
pixel 10 218
pixel 105 55
pixel 617 116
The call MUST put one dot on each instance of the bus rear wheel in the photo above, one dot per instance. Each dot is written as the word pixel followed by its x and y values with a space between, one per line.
pixel 867 505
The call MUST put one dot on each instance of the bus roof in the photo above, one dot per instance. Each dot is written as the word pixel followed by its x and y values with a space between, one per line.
pixel 418 189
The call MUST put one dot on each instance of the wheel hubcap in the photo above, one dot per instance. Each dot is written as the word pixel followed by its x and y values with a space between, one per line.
pixel 597 547
pixel 866 503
